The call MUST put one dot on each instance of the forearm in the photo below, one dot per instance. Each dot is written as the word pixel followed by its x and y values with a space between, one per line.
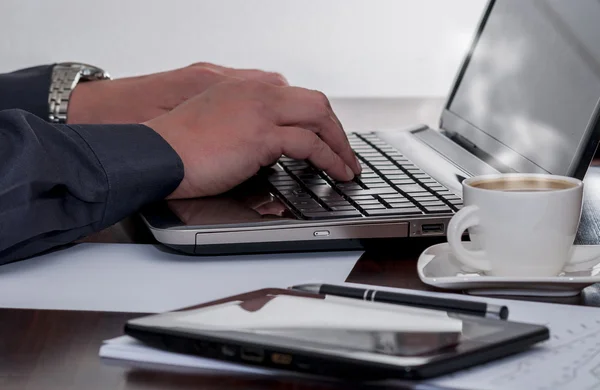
pixel 26 89
pixel 60 183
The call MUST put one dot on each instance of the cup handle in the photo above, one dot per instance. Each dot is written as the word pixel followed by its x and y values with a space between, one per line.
pixel 589 253
pixel 465 218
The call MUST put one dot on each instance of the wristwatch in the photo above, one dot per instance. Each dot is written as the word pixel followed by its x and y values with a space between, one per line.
pixel 65 77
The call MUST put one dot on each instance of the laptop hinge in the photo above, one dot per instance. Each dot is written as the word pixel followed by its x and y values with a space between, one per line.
pixel 477 152
pixel 458 154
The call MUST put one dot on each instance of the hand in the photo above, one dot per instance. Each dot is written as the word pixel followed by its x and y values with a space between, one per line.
pixel 226 134
pixel 139 99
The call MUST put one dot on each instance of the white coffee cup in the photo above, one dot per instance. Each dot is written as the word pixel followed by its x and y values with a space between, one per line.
pixel 523 225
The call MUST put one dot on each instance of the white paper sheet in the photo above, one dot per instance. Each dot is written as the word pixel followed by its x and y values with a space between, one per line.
pixel 569 360
pixel 146 278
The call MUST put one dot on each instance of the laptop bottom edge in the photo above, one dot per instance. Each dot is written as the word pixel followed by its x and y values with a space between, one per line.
pixel 370 244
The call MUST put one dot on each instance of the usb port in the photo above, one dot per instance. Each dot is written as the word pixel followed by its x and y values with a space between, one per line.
pixel 252 355
pixel 430 228
pixel 281 358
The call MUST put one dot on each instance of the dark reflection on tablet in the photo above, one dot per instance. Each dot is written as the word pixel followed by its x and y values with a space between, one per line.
pixel 249 202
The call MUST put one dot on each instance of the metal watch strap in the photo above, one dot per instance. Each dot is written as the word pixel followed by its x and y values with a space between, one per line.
pixel 65 77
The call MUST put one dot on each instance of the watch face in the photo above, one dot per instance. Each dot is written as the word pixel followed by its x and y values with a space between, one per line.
pixel 88 72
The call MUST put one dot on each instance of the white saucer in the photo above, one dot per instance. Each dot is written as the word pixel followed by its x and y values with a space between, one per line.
pixel 438 267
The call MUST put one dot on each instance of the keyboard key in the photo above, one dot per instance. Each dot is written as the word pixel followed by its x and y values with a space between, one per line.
pixel 383 164
pixel 372 206
pixel 409 188
pixel 369 155
pixel 432 203
pixel 378 185
pixel 313 210
pixel 338 203
pixel 396 196
pixel 290 196
pixel 403 182
pixel 369 176
pixel 391 212
pixel 286 186
pixel 423 176
pixel 402 205
pixel 348 186
pixel 282 183
pixel 322 190
pixel 333 198
pixel 362 197
pixel 425 197
pixel 438 188
pixel 446 193
pixel 314 182
pixel 390 171
pixel 366 202
pixel 343 208
pixel 451 196
pixel 438 209
pixel 274 174
pixel 371 180
pixel 398 200
pixel 376 191
pixel 397 177
pixel 309 176
pixel 305 204
pixel 333 214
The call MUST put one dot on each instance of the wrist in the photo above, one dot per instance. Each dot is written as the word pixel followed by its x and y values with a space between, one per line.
pixel 174 137
pixel 84 102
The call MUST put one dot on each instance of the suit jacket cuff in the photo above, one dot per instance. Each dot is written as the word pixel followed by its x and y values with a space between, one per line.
pixel 27 89
pixel 140 166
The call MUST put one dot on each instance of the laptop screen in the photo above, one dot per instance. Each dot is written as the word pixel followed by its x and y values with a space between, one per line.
pixel 528 93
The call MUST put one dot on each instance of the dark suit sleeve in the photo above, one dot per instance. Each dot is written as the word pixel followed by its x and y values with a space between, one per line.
pixel 59 183
pixel 26 89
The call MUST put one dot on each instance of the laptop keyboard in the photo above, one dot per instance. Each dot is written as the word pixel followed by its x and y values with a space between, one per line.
pixel 389 185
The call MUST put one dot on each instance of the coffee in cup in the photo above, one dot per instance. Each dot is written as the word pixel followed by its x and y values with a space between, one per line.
pixel 522 184
pixel 523 224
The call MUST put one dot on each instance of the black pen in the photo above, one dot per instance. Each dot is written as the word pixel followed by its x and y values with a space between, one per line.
pixel 480 309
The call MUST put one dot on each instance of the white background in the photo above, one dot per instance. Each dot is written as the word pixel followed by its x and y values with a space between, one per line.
pixel 383 48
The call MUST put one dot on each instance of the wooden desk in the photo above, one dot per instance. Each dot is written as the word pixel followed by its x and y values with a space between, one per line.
pixel 58 350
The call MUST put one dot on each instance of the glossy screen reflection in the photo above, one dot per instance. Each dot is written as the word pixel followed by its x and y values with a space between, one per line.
pixel 533 81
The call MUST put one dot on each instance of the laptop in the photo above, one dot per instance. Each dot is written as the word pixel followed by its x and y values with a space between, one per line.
pixel 525 100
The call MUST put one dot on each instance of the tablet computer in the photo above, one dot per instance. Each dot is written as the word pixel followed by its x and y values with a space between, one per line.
pixel 332 336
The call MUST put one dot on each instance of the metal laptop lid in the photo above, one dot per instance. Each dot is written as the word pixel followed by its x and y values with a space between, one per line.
pixel 527 94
